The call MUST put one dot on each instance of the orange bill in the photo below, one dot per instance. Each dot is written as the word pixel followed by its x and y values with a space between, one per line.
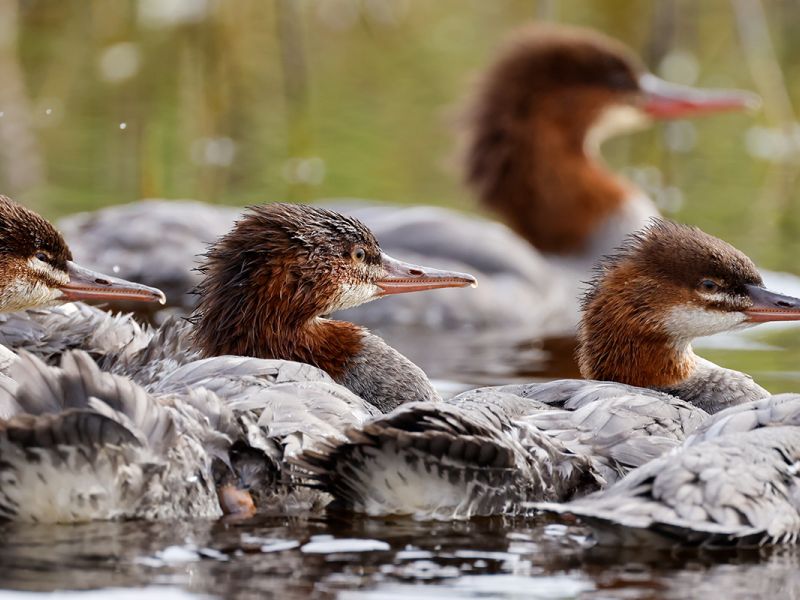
pixel 400 278
pixel 85 284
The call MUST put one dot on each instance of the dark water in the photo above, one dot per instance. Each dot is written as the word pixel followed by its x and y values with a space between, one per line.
pixel 344 556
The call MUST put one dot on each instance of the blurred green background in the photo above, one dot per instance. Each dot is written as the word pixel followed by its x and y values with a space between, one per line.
pixel 245 101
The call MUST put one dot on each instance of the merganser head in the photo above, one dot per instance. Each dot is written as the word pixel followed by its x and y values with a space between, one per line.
pixel 37 270
pixel 536 122
pixel 284 265
pixel 666 286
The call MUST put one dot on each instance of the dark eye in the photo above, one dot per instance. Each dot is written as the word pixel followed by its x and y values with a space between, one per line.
pixel 42 256
pixel 359 254
pixel 708 285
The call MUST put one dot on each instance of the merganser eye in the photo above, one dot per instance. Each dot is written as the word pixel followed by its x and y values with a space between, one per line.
pixel 42 256
pixel 708 285
pixel 359 254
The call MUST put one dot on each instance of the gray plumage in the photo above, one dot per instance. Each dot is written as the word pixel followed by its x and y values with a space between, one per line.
pixel 564 438
pixel 91 445
pixel 381 373
pixel 155 242
pixel 434 460
pixel 714 388
pixel 282 408
pixel 740 489
pixel 733 481
pixel 50 332
pixel 620 427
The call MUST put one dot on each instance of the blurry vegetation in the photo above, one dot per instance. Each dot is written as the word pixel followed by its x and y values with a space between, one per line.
pixel 254 100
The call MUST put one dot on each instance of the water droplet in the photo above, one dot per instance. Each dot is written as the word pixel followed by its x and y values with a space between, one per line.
pixel 115 268
pixel 123 125
pixel 49 111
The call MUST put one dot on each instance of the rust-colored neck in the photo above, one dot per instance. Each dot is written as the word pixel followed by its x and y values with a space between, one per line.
pixel 270 315
pixel 324 343
pixel 620 339
pixel 536 174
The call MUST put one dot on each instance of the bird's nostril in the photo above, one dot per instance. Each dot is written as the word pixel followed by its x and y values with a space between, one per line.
pixel 416 272
pixel 101 281
pixel 784 304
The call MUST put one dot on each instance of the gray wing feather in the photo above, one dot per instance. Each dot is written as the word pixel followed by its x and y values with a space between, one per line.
pixel 733 489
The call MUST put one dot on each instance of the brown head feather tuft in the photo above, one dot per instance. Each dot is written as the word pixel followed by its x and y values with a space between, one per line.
pixel 266 282
pixel 23 233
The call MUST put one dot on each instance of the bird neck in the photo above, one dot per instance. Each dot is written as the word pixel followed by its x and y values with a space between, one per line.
pixel 619 340
pixel 547 184
pixel 324 343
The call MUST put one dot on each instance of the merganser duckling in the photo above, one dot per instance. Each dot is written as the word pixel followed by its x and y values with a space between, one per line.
pixel 37 269
pixel 535 126
pixel 271 281
pixel 484 453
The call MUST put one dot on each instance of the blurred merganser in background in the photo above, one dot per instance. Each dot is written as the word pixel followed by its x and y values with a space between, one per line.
pixel 535 127
pixel 169 434
pixel 493 450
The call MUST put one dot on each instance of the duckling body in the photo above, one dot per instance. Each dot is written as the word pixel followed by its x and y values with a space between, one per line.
pixel 725 490
pixel 90 445
pixel 665 286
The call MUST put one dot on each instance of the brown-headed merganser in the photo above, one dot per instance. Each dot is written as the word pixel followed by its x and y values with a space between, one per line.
pixel 165 430
pixel 36 271
pixel 37 267
pixel 270 283
pixel 534 128
pixel 552 95
pixel 492 450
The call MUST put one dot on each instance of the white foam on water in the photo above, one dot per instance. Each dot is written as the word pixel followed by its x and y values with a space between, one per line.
pixel 330 546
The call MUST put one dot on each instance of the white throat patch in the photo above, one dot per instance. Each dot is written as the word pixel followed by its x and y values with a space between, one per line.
pixel 353 294
pixel 684 323
pixel 614 120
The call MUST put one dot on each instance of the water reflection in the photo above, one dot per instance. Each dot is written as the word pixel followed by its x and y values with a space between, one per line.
pixel 348 557
pixel 771 354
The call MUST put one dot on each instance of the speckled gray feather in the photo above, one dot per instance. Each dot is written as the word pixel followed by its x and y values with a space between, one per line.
pixel 586 433
pixel 434 460
pixel 714 388
pixel 50 332
pixel 92 445
pixel 740 489
pixel 380 372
